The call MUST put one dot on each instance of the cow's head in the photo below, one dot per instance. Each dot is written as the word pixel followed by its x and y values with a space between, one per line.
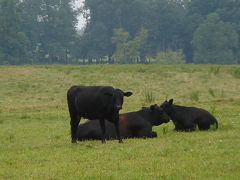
pixel 167 106
pixel 117 98
pixel 159 116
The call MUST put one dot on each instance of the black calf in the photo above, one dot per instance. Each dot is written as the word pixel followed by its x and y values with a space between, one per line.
pixel 186 118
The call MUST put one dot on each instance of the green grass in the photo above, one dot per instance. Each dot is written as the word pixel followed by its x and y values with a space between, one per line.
pixel 34 123
pixel 236 72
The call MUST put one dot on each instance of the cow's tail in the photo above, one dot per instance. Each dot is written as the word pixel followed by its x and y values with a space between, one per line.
pixel 216 123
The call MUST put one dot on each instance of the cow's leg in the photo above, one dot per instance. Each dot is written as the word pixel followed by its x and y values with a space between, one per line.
pixel 116 123
pixel 203 124
pixel 75 119
pixel 189 126
pixel 178 127
pixel 103 128
pixel 146 133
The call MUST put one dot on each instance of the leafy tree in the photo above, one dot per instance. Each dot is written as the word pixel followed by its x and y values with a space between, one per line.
pixel 120 39
pixel 13 42
pixel 29 15
pixel 128 51
pixel 131 15
pixel 98 32
pixel 231 13
pixel 103 16
pixel 197 11
pixel 165 26
pixel 50 25
pixel 215 42
pixel 140 43
pixel 191 23
pixel 205 7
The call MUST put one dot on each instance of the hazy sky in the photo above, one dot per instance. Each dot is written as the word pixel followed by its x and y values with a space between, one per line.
pixel 81 20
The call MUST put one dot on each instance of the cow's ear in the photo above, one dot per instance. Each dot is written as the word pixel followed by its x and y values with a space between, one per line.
pixel 164 103
pixel 108 94
pixel 170 102
pixel 128 94
pixel 152 107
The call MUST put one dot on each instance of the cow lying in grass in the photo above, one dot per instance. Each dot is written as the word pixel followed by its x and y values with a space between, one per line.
pixel 132 124
pixel 95 102
pixel 187 118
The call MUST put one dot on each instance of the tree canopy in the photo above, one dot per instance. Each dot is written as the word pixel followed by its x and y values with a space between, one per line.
pixel 215 42
pixel 120 31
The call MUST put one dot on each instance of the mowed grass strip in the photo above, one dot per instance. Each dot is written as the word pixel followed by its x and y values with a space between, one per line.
pixel 34 123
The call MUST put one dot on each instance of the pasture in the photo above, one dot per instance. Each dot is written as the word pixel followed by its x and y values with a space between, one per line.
pixel 35 132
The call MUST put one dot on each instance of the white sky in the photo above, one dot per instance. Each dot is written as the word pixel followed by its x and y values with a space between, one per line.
pixel 81 20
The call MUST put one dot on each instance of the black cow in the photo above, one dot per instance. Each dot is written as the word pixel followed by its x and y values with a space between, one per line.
pixel 186 118
pixel 95 102
pixel 132 124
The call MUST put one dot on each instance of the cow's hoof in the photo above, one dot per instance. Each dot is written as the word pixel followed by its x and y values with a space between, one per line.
pixel 120 141
pixel 74 141
pixel 153 134
pixel 103 142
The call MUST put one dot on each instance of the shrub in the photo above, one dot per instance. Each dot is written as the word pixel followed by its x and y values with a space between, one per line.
pixel 149 97
pixel 211 92
pixel 170 57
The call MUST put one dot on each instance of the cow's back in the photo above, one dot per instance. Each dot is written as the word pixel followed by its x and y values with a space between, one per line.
pixel 194 115
pixel 91 101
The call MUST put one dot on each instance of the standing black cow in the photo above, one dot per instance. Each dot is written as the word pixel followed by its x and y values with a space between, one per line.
pixel 95 102
pixel 132 124
pixel 186 118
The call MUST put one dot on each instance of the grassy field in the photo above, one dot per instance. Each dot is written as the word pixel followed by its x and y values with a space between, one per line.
pixel 34 123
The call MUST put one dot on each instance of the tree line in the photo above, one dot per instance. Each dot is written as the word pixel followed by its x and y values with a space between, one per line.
pixel 120 31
